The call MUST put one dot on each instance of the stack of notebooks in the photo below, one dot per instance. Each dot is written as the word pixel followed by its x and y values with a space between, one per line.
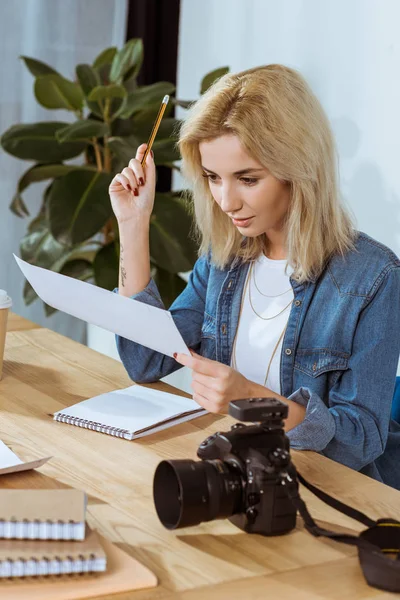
pixel 44 532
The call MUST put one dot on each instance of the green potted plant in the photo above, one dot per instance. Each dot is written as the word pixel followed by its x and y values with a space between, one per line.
pixel 75 232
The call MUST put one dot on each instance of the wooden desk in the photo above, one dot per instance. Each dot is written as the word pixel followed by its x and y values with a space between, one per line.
pixel 17 323
pixel 44 372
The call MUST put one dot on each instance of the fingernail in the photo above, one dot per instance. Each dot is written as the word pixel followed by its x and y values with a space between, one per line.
pixel 141 181
pixel 136 192
pixel 129 187
pixel 175 354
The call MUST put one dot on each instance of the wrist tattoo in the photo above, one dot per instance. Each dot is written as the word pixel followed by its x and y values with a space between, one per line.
pixel 123 274
pixel 122 268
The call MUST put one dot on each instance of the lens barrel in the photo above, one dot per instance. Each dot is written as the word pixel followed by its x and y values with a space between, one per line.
pixel 188 492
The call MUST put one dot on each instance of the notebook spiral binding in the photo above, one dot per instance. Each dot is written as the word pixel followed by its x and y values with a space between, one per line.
pixel 116 431
pixel 45 529
pixel 20 567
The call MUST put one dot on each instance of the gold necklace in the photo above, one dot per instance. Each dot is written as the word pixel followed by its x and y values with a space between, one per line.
pixel 234 363
pixel 266 295
pixel 254 310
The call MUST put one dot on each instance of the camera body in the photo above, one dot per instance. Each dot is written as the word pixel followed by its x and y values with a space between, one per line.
pixel 238 477
pixel 258 453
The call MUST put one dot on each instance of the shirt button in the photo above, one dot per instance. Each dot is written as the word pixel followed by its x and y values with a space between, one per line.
pixel 223 328
pixel 297 302
pixel 288 351
pixel 230 284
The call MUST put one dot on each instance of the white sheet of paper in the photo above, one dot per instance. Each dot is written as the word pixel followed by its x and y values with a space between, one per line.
pixel 7 457
pixel 147 325
pixel 10 463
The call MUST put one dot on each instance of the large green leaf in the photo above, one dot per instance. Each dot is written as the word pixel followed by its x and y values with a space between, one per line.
pixel 123 148
pixel 105 57
pixel 171 246
pixel 28 293
pixel 35 174
pixel 150 113
pixel 106 266
pixel 114 94
pixel 79 205
pixel 88 78
pixel 84 129
pixel 43 172
pixel 122 127
pixel 165 151
pixel 78 269
pixel 211 77
pixel 169 128
pixel 130 83
pixel 127 61
pixel 102 92
pixel 53 91
pixel 131 74
pixel 37 67
pixel 38 247
pixel 146 97
pixel 18 206
pixel 37 141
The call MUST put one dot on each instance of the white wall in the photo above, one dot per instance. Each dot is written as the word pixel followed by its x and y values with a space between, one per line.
pixel 349 52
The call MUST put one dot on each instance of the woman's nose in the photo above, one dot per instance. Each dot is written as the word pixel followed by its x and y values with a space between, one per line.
pixel 229 201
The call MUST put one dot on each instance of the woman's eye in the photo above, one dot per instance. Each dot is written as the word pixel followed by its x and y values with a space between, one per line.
pixel 245 180
pixel 249 180
pixel 209 176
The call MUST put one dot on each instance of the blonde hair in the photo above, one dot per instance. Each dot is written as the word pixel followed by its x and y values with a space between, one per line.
pixel 280 123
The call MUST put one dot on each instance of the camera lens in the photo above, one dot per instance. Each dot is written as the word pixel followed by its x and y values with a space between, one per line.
pixel 188 492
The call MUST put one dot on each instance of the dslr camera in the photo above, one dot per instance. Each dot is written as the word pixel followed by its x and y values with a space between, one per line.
pixel 238 477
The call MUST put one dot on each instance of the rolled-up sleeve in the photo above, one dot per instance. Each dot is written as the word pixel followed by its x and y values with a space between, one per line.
pixel 352 428
pixel 145 365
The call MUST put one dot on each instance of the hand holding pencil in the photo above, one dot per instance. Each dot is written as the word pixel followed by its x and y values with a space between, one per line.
pixel 132 191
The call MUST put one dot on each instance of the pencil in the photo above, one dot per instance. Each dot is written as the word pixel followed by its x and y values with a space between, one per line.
pixel 155 127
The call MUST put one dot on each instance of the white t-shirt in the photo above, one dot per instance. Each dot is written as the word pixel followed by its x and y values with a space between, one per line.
pixel 256 338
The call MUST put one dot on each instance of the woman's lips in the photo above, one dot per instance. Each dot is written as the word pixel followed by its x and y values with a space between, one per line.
pixel 242 222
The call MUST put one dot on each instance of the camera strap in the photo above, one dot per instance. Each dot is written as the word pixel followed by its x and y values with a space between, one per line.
pixel 376 545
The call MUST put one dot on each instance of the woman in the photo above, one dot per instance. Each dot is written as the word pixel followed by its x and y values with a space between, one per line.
pixel 287 299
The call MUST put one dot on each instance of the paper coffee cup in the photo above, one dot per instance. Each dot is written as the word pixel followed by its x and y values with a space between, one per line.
pixel 5 305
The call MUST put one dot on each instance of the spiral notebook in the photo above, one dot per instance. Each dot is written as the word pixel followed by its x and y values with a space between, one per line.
pixel 34 558
pixel 131 413
pixel 42 514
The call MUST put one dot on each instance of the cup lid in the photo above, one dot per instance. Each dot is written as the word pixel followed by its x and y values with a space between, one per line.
pixel 5 300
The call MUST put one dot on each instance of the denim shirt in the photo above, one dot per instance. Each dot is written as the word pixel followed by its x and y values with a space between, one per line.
pixel 339 356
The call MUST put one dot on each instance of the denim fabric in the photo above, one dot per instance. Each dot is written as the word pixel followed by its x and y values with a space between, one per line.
pixel 339 355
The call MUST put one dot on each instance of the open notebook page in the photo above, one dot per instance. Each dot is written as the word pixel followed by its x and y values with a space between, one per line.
pixel 135 409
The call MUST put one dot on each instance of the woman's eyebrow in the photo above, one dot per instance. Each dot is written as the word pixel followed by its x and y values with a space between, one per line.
pixel 242 172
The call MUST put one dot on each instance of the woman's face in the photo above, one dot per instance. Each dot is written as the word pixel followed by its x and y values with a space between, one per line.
pixel 246 191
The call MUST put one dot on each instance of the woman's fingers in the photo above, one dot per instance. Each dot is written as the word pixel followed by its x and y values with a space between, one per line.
pixel 131 177
pixel 140 152
pixel 136 165
pixel 120 181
